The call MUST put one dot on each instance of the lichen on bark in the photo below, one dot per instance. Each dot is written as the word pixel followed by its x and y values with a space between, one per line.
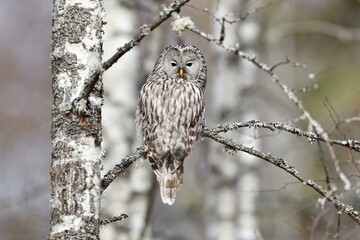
pixel 76 137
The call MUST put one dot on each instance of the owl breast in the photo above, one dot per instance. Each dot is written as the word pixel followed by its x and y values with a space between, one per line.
pixel 172 116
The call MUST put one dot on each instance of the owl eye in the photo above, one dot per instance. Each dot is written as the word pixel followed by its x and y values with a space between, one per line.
pixel 173 63
pixel 188 64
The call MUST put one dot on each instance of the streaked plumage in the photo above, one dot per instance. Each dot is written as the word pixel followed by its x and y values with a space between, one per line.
pixel 170 113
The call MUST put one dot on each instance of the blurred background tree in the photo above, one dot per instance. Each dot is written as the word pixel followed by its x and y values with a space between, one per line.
pixel 323 35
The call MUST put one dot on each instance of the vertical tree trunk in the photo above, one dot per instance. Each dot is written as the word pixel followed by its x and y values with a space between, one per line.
pixel 76 123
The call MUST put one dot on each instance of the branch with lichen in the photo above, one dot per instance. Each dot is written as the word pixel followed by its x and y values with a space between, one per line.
pixel 273 126
pixel 281 163
pixel 144 30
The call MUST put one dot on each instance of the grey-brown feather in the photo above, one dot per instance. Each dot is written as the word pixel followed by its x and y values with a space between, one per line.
pixel 170 115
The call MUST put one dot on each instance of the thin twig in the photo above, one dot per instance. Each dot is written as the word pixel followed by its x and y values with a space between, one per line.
pixel 326 171
pixel 242 17
pixel 287 60
pixel 283 62
pixel 113 219
pixel 335 117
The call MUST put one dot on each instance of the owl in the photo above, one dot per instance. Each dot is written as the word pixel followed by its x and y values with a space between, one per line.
pixel 170 114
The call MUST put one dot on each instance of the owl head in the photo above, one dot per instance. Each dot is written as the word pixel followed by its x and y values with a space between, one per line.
pixel 183 61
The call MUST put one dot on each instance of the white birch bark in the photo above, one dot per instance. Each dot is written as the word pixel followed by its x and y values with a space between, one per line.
pixel 76 123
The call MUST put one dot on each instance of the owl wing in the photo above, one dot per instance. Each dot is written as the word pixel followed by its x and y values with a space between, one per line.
pixel 197 118
pixel 144 120
pixel 139 122
pixel 143 116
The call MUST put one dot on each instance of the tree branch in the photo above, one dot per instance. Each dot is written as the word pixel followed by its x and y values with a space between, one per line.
pixel 281 163
pixel 145 30
pixel 119 168
pixel 312 136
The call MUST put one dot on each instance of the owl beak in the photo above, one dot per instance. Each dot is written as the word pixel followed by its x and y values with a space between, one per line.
pixel 181 72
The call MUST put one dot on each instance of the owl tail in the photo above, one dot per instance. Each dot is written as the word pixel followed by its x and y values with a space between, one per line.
pixel 170 179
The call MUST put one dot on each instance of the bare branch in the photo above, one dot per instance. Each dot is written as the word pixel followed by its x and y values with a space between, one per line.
pixel 119 168
pixel 312 136
pixel 281 163
pixel 285 61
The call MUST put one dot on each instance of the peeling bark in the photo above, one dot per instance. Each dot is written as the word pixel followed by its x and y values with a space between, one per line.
pixel 76 123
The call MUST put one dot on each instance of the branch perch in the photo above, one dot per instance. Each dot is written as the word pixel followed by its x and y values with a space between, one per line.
pixel 212 133
pixel 120 168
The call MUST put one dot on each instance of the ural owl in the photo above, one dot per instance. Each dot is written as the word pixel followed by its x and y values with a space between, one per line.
pixel 170 113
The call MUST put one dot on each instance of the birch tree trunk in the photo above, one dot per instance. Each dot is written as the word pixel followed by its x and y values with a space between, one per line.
pixel 76 123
